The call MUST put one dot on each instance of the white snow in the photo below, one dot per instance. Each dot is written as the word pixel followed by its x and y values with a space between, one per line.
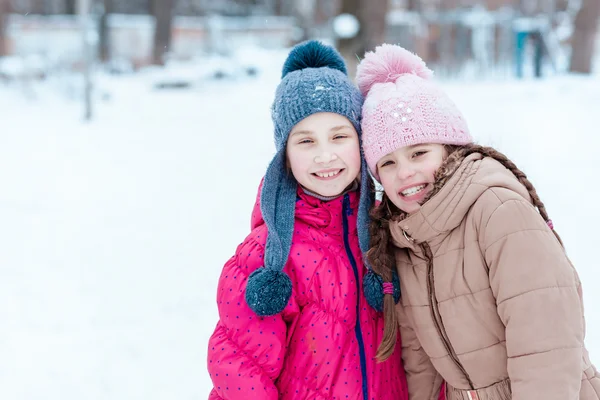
pixel 114 232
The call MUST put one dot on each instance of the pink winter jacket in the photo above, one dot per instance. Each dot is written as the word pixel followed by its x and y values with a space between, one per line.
pixel 323 345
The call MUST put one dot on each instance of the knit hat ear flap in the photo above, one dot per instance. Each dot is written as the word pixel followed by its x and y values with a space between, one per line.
pixel 364 207
pixel 269 289
pixel 372 282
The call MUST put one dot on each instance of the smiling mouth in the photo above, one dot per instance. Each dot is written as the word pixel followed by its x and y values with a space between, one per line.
pixel 329 174
pixel 410 192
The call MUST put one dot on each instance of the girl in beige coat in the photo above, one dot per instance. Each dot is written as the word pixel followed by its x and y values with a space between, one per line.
pixel 489 303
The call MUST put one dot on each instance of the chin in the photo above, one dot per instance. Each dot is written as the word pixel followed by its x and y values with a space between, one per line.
pixel 409 209
pixel 329 191
pixel 413 209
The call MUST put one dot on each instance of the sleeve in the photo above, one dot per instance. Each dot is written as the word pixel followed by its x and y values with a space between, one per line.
pixel 245 352
pixel 537 298
pixel 424 382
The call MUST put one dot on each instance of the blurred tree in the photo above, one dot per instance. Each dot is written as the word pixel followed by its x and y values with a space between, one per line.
pixel 248 6
pixel 413 5
pixel 189 7
pixel 371 15
pixel 285 7
pixel 70 7
pixel 278 7
pixel 162 10
pixel 4 10
pixel 584 36
pixel 105 8
pixel 131 6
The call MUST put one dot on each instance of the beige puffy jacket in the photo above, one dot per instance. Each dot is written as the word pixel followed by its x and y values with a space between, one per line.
pixel 490 303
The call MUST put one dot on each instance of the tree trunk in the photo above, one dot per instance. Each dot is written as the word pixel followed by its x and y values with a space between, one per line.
pixel 4 10
pixel 351 48
pixel 104 40
pixel 70 7
pixel 371 15
pixel 374 19
pixel 413 5
pixel 584 37
pixel 163 13
pixel 278 7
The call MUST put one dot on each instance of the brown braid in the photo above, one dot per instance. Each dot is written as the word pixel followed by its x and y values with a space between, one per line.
pixel 496 155
pixel 381 258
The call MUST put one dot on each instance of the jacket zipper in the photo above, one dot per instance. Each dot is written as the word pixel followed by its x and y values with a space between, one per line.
pixel 435 313
pixel 361 345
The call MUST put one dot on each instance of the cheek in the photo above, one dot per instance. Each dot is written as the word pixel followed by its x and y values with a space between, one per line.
pixel 351 155
pixel 432 169
pixel 386 181
pixel 298 162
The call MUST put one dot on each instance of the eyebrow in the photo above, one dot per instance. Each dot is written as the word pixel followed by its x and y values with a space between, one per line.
pixel 339 128
pixel 334 129
pixel 417 145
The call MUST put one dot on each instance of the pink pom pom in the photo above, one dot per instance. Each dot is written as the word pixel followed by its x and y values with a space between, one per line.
pixel 386 64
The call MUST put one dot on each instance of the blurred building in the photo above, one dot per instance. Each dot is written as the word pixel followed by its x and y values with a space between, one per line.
pixel 51 28
pixel 446 33
pixel 182 7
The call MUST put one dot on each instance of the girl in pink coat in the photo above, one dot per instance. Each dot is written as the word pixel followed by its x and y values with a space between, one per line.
pixel 294 320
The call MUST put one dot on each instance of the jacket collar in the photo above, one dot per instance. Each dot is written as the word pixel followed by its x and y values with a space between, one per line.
pixel 322 214
pixel 327 215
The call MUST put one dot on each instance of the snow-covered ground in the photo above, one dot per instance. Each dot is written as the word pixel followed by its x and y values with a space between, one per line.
pixel 114 232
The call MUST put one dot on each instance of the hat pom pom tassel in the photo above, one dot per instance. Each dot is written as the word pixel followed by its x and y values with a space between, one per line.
pixel 268 291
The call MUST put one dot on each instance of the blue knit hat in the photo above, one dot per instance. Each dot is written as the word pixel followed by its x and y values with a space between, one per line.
pixel 314 80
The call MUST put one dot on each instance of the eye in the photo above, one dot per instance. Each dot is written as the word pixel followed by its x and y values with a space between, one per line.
pixel 305 141
pixel 340 137
pixel 419 153
pixel 386 163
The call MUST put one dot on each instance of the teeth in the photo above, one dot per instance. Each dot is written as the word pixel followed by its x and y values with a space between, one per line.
pixel 413 190
pixel 327 174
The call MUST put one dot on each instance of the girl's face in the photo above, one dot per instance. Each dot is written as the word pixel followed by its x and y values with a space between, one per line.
pixel 323 153
pixel 407 174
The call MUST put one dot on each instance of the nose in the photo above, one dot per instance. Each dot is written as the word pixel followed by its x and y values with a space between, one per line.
pixel 326 156
pixel 405 172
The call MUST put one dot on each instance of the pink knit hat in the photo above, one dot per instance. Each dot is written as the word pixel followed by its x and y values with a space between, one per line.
pixel 403 107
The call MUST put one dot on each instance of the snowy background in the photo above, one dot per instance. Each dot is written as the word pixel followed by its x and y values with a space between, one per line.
pixel 114 232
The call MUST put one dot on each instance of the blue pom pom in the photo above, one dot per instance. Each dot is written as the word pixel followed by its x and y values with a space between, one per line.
pixel 373 288
pixel 313 54
pixel 268 291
